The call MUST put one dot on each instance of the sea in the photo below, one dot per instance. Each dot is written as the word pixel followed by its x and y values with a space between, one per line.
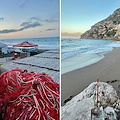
pixel 43 43
pixel 78 53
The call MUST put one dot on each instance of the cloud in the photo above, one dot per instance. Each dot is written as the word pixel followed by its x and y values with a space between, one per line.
pixel 50 29
pixel 25 25
pixel 24 3
pixel 71 35
pixel 1 19
pixel 8 31
pixel 36 18
pixel 50 20
pixel 31 23
pixel 56 16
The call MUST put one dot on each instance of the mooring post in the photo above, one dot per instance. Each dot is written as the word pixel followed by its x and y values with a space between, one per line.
pixel 96 112
pixel 97 92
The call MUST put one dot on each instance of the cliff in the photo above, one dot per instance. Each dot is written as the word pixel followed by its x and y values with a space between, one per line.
pixel 108 28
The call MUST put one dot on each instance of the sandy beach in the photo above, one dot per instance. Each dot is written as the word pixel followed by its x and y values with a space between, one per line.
pixel 107 69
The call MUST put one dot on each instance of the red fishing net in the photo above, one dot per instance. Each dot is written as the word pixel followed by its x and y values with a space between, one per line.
pixel 28 96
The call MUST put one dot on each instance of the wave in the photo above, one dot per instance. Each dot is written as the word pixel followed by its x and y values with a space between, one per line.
pixel 88 46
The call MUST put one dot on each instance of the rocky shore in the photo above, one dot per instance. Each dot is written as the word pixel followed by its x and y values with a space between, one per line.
pixel 81 106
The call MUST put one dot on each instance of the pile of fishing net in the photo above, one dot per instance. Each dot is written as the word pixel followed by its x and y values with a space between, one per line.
pixel 28 96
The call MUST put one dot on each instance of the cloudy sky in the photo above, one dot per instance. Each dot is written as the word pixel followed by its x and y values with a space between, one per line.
pixel 77 16
pixel 29 18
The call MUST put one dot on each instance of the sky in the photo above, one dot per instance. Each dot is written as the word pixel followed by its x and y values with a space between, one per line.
pixel 77 16
pixel 29 18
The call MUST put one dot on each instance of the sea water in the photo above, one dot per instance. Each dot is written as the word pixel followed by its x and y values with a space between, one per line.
pixel 78 53
pixel 43 43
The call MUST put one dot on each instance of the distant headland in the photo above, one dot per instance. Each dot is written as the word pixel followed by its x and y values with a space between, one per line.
pixel 108 29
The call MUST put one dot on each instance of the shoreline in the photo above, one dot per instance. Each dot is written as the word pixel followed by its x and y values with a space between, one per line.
pixel 107 70
pixel 113 39
pixel 74 63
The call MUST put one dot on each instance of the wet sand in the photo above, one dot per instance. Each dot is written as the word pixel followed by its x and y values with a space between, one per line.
pixel 107 69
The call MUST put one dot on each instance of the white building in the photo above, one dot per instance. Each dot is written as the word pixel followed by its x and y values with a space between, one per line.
pixel 3 48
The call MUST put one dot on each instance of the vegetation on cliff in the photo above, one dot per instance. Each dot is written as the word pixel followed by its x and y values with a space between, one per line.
pixel 108 28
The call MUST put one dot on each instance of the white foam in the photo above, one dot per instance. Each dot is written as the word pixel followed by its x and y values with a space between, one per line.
pixel 101 50
pixel 114 44
pixel 79 61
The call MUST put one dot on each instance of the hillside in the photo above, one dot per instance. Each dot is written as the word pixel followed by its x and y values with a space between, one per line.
pixel 108 28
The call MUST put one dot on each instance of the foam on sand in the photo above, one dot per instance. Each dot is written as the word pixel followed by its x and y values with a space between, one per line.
pixel 79 61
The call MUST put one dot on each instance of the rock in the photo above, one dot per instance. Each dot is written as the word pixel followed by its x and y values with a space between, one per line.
pixel 68 99
pixel 79 111
pixel 110 113
pixel 97 113
pixel 81 106
pixel 104 103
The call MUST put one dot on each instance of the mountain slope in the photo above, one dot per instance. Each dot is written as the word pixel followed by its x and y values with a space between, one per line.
pixel 108 28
